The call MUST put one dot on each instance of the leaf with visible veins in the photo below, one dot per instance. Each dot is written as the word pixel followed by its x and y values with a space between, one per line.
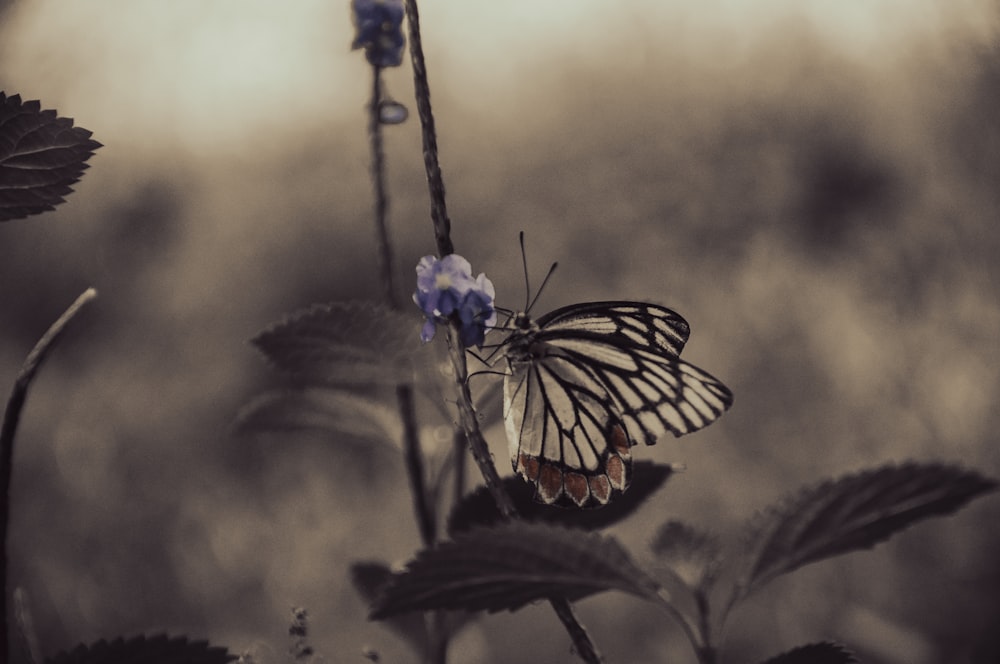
pixel 41 155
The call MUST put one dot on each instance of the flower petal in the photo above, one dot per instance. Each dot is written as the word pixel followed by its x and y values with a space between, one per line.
pixel 457 265
pixel 428 330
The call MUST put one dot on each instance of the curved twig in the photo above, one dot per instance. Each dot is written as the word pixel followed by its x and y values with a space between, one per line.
pixel 11 418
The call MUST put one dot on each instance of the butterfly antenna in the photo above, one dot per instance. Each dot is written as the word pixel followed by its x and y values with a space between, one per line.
pixel 505 311
pixel 548 274
pixel 529 301
pixel 524 264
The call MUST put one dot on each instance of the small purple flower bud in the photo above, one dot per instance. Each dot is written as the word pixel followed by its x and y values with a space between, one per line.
pixel 379 25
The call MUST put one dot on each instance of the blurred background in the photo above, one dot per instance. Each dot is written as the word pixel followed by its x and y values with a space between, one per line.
pixel 813 185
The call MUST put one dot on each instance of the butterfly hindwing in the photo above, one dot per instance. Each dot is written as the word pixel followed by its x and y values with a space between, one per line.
pixel 564 437
pixel 589 380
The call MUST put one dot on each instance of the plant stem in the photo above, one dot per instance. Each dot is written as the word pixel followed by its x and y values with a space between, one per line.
pixel 581 640
pixel 437 639
pixel 585 648
pixel 414 459
pixel 459 445
pixel 404 392
pixel 385 258
pixel 470 425
pixel 11 418
pixel 442 234
pixel 693 633
pixel 706 649
pixel 435 183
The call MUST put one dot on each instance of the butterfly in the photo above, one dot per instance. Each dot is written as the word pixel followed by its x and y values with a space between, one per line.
pixel 589 381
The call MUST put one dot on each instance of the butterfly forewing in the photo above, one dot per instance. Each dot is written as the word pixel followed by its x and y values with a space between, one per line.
pixel 628 324
pixel 664 394
pixel 589 380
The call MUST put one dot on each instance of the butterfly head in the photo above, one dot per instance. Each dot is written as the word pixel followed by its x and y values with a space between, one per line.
pixel 521 343
pixel 523 322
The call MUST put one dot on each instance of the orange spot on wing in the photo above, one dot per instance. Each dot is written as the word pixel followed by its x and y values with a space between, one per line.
pixel 600 489
pixel 550 483
pixel 617 472
pixel 527 466
pixel 619 441
pixel 577 488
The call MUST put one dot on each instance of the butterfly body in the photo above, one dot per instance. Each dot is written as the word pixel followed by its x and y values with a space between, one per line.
pixel 586 383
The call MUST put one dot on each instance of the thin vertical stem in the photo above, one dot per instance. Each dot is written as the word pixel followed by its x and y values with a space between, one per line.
pixel 435 182
pixel 470 425
pixel 414 460
pixel 385 258
pixel 704 622
pixel 404 392
pixel 458 451
pixel 442 234
pixel 412 454
pixel 11 418
pixel 698 635
pixel 584 646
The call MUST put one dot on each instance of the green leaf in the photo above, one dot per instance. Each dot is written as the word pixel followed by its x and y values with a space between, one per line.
pixel 348 343
pixel 508 566
pixel 816 653
pixel 851 513
pixel 323 410
pixel 693 555
pixel 41 155
pixel 144 650
pixel 479 509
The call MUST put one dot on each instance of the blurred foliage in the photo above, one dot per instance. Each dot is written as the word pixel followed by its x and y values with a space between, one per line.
pixel 826 224
pixel 142 650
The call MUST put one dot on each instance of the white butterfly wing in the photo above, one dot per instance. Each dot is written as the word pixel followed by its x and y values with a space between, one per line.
pixel 564 437
pixel 622 324
pixel 632 350
pixel 590 381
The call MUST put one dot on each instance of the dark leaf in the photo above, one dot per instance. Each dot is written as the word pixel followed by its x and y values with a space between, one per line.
pixel 322 410
pixel 478 508
pixel 370 579
pixel 853 512
pixel 692 555
pixel 815 653
pixel 144 650
pixel 510 565
pixel 41 155
pixel 349 343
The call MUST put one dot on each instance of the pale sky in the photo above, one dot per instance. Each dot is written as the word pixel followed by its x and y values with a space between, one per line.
pixel 216 72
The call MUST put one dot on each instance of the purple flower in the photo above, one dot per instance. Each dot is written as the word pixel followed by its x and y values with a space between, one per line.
pixel 379 30
pixel 446 291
